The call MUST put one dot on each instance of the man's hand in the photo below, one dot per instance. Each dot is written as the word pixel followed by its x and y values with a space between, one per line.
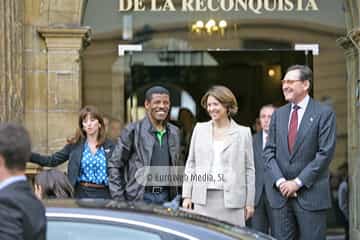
pixel 289 188
pixel 249 212
pixel 187 203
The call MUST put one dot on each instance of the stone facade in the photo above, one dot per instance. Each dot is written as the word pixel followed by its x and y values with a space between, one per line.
pixel 53 46
pixel 64 99
pixel 41 66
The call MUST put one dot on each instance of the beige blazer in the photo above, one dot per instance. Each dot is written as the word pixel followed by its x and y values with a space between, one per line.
pixel 238 162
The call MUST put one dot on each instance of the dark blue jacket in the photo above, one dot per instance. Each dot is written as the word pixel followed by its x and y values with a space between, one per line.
pixel 73 153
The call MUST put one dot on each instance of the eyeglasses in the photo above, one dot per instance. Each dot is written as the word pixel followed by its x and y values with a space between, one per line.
pixel 290 82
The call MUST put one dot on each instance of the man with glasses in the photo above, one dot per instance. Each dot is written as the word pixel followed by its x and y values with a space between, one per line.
pixel 297 156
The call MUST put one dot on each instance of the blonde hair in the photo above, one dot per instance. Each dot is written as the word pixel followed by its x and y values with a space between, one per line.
pixel 224 96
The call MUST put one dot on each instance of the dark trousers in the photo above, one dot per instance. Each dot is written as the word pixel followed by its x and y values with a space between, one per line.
pixel 156 198
pixel 261 219
pixel 89 192
pixel 293 222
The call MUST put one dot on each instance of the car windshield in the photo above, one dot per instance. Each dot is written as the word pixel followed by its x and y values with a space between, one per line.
pixel 65 230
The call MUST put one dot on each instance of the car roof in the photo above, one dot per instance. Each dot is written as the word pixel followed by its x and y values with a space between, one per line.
pixel 148 214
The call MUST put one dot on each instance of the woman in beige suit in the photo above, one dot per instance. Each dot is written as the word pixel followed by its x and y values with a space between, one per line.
pixel 219 173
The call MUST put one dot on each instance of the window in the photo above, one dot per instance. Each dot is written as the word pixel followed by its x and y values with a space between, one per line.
pixel 65 230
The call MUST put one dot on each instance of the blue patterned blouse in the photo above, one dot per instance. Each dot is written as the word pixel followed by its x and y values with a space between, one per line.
pixel 93 167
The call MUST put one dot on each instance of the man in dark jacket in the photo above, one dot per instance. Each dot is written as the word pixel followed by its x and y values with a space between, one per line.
pixel 22 214
pixel 261 219
pixel 144 148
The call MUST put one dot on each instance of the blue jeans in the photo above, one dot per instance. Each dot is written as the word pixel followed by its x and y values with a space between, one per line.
pixel 156 198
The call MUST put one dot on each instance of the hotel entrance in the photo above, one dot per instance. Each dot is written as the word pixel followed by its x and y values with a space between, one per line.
pixel 253 76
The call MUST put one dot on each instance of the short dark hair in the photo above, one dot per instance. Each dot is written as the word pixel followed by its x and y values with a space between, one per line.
pixel 305 72
pixel 15 146
pixel 54 184
pixel 155 90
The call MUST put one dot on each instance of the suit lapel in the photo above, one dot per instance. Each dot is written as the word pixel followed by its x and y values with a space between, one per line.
pixel 284 127
pixel 172 145
pixel 259 141
pixel 78 151
pixel 228 141
pixel 108 148
pixel 148 140
pixel 207 133
pixel 258 149
pixel 306 122
pixel 230 136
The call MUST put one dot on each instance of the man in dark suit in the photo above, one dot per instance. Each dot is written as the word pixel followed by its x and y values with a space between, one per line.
pixel 297 156
pixel 22 214
pixel 261 219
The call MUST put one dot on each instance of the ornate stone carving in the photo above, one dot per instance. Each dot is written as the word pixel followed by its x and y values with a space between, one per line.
pixel 64 45
pixel 345 43
pixel 351 44
pixel 354 36
pixel 65 37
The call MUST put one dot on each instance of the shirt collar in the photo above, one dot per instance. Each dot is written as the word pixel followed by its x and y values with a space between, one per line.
pixel 303 103
pixel 11 180
pixel 264 134
pixel 154 130
pixel 87 147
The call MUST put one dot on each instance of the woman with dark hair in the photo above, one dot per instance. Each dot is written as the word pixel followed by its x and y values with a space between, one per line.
pixel 221 150
pixel 88 153
pixel 52 184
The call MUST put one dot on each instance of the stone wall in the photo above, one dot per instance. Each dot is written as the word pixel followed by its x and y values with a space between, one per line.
pixel 11 61
pixel 53 43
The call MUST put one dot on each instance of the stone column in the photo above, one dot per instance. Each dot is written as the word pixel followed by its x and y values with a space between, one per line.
pixel 64 99
pixel 351 46
pixel 119 70
pixel 11 61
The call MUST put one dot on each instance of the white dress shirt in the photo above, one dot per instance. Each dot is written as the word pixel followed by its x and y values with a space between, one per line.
pixel 264 138
pixel 302 107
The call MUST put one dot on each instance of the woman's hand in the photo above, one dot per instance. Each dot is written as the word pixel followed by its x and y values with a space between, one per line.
pixel 187 203
pixel 249 212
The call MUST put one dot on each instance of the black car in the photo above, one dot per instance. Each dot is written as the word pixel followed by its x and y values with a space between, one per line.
pixel 110 220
